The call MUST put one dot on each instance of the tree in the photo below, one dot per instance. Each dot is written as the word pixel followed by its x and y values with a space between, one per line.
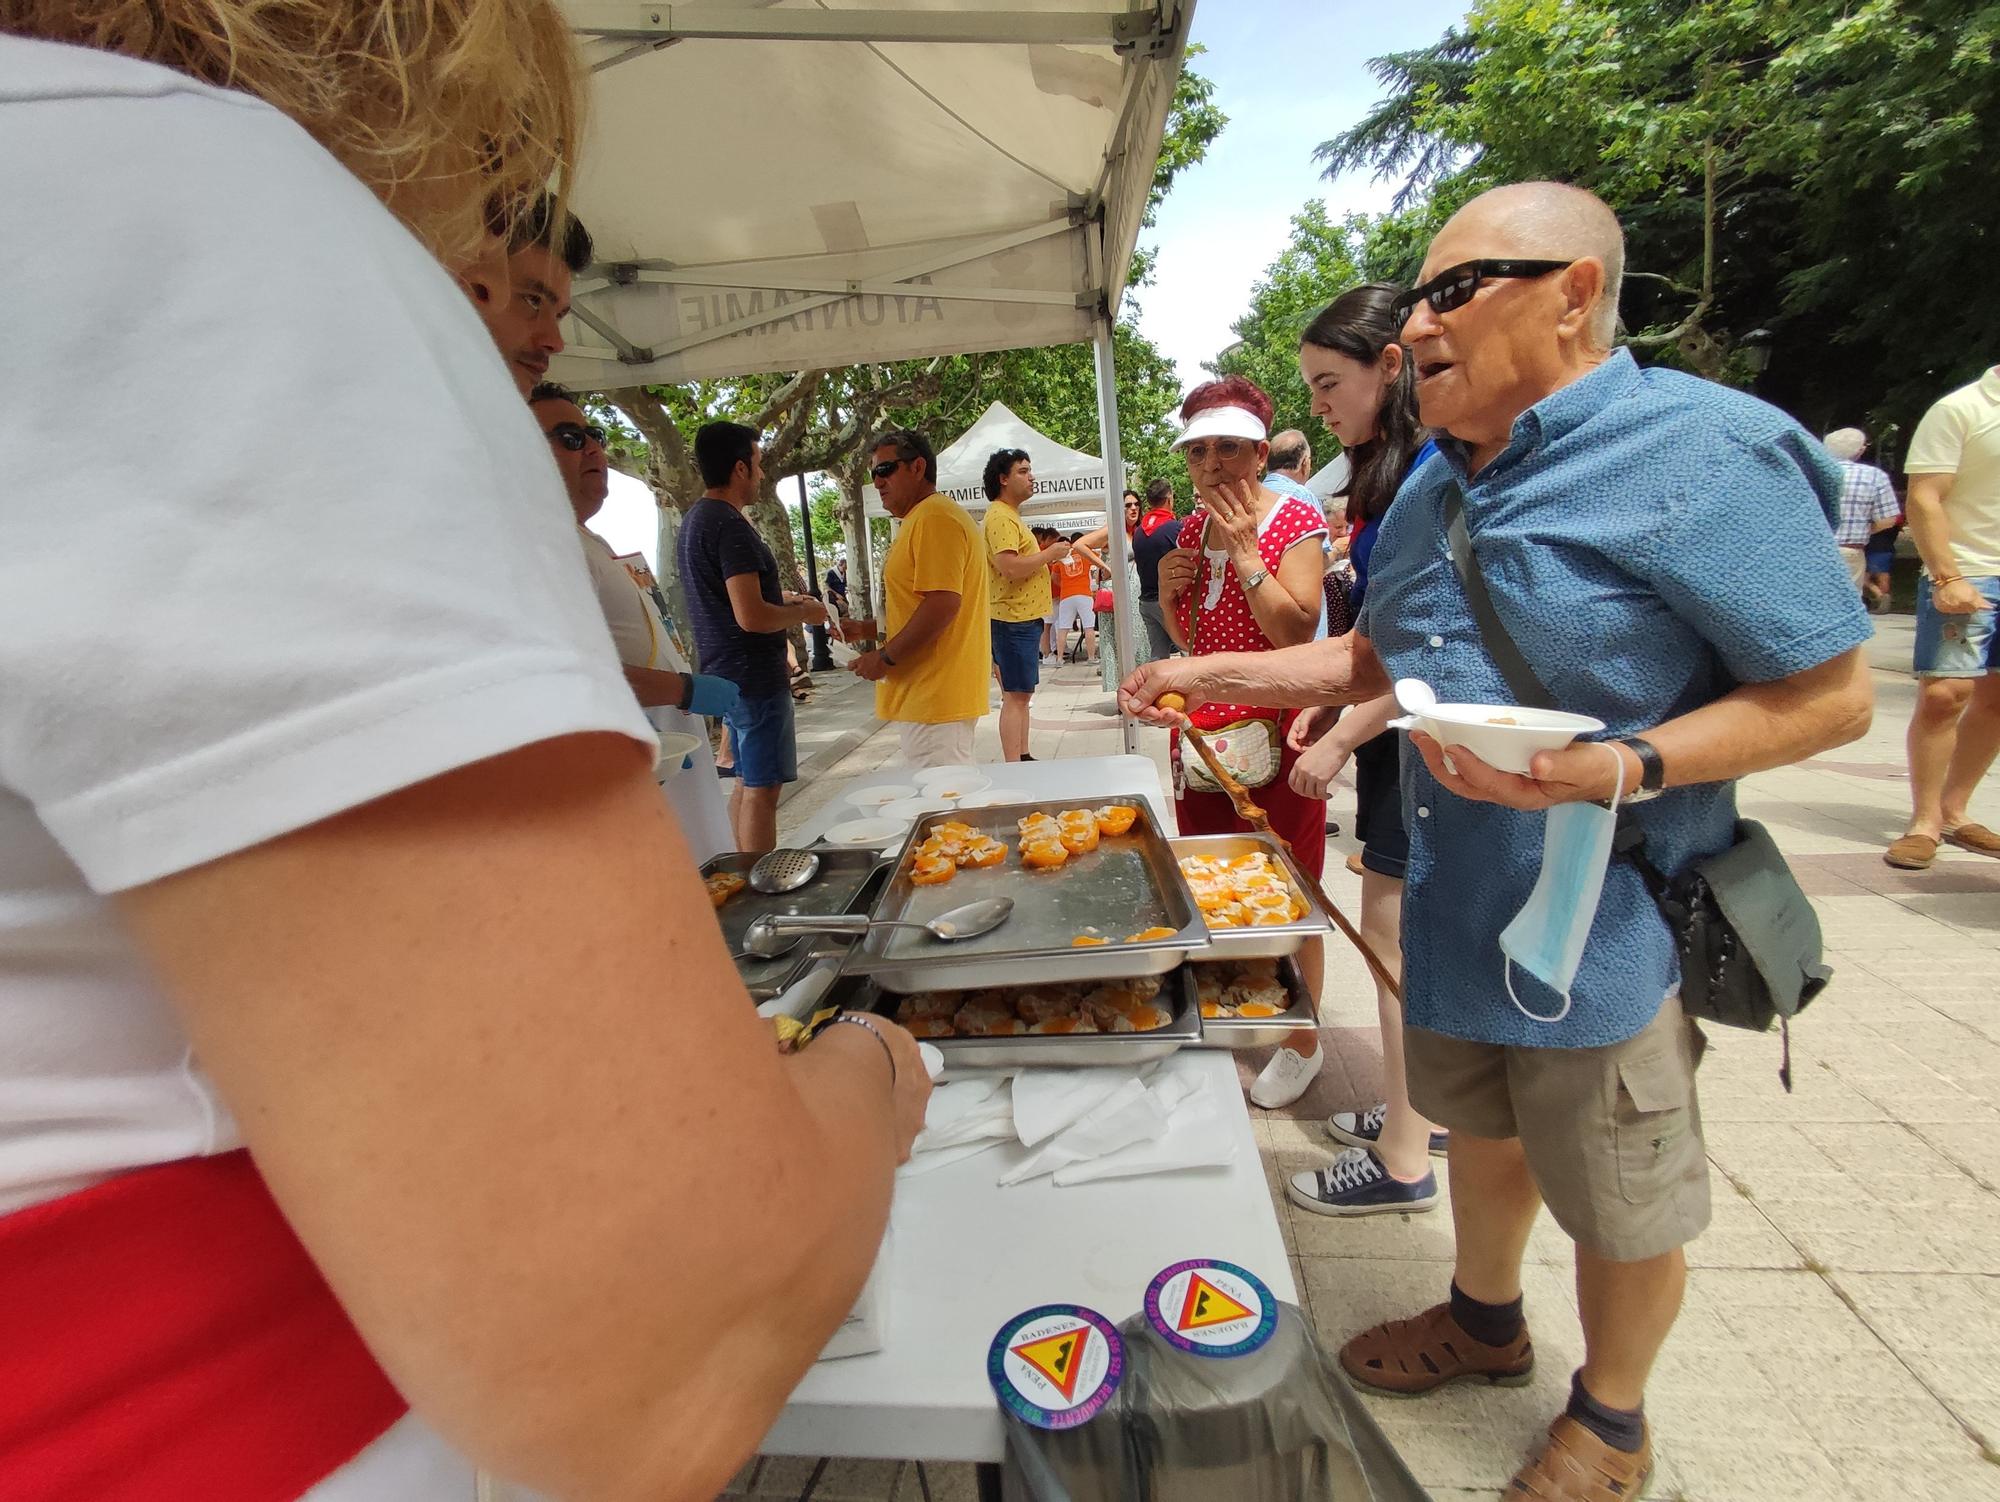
pixel 1815 168
pixel 1322 260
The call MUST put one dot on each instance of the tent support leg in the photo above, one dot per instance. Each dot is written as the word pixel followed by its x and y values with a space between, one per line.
pixel 1123 607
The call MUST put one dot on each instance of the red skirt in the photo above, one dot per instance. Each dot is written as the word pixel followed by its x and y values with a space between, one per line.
pixel 1301 821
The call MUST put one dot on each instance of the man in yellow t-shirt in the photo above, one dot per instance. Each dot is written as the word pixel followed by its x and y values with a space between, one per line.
pixel 1018 580
pixel 1954 515
pixel 930 672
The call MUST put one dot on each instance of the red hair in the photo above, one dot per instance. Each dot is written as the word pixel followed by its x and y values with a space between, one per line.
pixel 1230 391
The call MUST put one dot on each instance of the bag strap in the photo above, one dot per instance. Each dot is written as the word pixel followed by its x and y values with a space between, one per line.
pixel 1522 679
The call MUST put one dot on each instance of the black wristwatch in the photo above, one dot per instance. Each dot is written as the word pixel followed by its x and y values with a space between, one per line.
pixel 1652 771
pixel 687 692
pixel 887 660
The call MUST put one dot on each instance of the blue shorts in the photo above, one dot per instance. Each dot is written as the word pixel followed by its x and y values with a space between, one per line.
pixel 1017 653
pixel 766 745
pixel 1881 551
pixel 1958 646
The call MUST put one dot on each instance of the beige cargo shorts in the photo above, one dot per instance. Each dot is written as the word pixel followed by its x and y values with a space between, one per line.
pixel 1612 1135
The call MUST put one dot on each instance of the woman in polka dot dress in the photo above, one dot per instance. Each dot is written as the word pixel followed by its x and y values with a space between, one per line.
pixel 1247 577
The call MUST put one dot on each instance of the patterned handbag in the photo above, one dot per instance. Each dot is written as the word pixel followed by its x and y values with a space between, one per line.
pixel 1249 749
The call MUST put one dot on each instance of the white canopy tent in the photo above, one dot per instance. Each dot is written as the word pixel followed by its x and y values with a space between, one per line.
pixel 814 183
pixel 1067 483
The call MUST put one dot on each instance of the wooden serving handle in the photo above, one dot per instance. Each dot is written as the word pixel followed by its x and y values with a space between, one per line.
pixel 1248 811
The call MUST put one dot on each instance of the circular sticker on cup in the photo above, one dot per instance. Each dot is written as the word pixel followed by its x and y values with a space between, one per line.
pixel 1057 1366
pixel 1210 1308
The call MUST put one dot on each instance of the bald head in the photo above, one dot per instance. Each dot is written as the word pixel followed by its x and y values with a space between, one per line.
pixel 1547 222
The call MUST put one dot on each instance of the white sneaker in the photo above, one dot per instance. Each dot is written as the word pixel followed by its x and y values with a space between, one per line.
pixel 1285 1078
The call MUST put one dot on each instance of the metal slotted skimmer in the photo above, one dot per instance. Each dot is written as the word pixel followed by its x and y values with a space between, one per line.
pixel 783 871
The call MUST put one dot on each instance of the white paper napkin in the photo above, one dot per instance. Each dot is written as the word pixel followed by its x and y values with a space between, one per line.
pixel 1194 1138
pixel 965 1111
pixel 1048 1100
pixel 1132 1113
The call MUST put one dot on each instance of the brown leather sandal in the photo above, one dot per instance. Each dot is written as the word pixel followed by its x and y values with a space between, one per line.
pixel 1574 1465
pixel 1407 1357
pixel 1911 852
pixel 1974 837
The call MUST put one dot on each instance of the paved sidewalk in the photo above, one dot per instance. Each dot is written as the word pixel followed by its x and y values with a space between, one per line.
pixel 1843 1316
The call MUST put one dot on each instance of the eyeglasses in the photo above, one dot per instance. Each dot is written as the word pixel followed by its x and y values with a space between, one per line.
pixel 887 468
pixel 573 436
pixel 1453 288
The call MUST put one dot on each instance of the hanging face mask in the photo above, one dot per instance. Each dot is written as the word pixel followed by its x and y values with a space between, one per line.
pixel 1547 936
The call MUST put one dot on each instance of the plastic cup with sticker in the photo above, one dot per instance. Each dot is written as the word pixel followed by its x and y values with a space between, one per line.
pixel 1211 1308
pixel 1056 1366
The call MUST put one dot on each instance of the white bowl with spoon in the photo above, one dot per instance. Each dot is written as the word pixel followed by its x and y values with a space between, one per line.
pixel 1505 736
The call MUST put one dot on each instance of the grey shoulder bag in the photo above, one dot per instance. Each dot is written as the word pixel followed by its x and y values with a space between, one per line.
pixel 1748 939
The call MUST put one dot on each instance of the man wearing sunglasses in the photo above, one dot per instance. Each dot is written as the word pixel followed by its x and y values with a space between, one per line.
pixel 1657 550
pixel 931 671
pixel 673 696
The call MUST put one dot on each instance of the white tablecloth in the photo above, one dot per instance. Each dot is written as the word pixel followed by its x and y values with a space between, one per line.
pixel 965 1254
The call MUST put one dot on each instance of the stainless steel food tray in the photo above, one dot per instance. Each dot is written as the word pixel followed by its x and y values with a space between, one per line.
pixel 1274 939
pixel 1129 883
pixel 1254 1032
pixel 842 886
pixel 1063 1050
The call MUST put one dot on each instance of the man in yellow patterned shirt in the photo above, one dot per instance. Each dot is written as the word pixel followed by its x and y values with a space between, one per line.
pixel 930 672
pixel 1018 582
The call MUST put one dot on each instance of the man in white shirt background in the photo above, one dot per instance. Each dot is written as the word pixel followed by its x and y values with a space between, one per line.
pixel 1868 503
pixel 675 699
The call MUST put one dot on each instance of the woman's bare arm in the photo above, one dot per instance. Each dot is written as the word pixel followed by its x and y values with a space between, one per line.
pixel 486 1045
pixel 1338 670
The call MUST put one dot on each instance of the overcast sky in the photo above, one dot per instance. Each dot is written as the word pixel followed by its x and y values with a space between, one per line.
pixel 1289 74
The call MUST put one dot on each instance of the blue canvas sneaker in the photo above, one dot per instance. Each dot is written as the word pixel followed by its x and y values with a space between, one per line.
pixel 1356 1183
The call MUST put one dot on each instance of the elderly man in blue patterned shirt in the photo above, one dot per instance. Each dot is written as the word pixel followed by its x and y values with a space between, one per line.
pixel 1659 550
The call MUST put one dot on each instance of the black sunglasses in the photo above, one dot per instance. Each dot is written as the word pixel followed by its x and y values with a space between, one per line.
pixel 572 435
pixel 887 468
pixel 1453 288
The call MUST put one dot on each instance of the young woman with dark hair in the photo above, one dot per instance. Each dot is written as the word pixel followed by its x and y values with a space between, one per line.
pixel 1362 386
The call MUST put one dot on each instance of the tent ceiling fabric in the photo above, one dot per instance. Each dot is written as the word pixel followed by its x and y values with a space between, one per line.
pixel 1067 483
pixel 783 186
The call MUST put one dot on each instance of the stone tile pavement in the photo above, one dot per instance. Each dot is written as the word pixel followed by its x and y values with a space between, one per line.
pixel 1841 1338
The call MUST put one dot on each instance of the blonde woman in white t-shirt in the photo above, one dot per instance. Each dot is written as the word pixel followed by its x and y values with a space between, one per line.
pixel 327 825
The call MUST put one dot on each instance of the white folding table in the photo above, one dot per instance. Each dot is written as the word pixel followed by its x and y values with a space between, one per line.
pixel 965 1255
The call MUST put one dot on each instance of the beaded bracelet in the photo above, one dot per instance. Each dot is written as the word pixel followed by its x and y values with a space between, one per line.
pixel 874 1032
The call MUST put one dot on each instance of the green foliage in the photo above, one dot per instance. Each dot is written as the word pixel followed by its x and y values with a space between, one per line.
pixel 1322 260
pixel 1844 146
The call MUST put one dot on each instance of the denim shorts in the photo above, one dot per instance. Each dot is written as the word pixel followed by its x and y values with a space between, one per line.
pixel 1017 653
pixel 767 747
pixel 1958 646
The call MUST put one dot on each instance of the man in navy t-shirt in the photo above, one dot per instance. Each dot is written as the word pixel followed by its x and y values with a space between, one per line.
pixel 740 614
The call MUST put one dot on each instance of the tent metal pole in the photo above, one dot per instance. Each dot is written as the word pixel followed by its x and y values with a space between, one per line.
pixel 1123 607
pixel 822 655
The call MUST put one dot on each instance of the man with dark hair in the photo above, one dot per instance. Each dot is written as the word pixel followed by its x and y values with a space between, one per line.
pixel 521 289
pixel 1158 534
pixel 740 614
pixel 931 669
pixel 1018 587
